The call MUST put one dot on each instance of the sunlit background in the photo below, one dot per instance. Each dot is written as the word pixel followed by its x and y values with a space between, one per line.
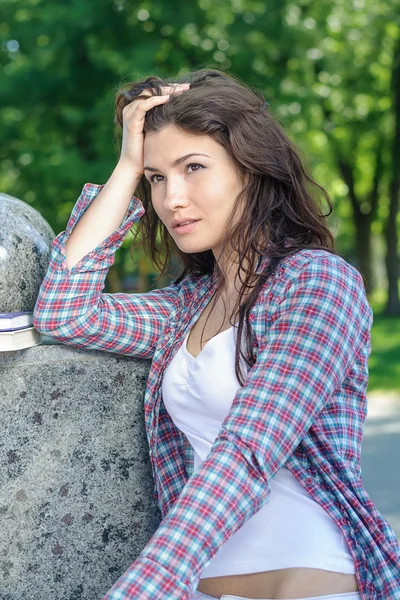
pixel 331 73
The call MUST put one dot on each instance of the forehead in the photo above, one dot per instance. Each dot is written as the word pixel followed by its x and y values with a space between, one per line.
pixel 170 143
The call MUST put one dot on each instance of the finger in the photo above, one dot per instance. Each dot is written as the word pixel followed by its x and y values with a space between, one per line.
pixel 175 87
pixel 149 100
pixel 145 105
pixel 171 89
pixel 143 102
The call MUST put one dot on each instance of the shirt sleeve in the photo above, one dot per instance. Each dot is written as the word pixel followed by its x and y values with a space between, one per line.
pixel 71 307
pixel 322 318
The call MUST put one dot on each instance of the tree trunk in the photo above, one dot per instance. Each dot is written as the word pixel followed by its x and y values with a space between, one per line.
pixel 362 221
pixel 392 258
pixel 363 250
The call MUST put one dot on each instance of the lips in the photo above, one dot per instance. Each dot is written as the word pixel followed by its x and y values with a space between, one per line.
pixel 184 229
pixel 186 223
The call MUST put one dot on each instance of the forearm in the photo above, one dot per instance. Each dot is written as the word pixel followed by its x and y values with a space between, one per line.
pixel 191 534
pixel 66 294
pixel 103 216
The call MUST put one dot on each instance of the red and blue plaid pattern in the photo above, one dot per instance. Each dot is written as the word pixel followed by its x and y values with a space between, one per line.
pixel 303 406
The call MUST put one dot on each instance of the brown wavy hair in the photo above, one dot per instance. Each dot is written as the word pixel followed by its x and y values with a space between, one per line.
pixel 282 215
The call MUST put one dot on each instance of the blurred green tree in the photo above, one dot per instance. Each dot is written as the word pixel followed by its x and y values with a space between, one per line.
pixel 328 69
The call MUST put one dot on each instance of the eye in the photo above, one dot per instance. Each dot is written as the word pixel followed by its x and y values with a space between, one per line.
pixel 152 180
pixel 196 165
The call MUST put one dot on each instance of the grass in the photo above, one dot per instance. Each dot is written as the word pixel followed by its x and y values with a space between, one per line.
pixel 384 362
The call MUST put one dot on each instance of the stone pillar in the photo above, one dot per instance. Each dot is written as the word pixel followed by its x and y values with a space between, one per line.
pixel 76 487
pixel 25 244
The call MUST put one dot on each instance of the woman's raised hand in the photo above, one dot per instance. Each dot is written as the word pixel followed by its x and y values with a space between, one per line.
pixel 133 116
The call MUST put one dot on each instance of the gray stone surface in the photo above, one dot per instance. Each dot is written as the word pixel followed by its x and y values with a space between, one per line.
pixel 25 245
pixel 76 487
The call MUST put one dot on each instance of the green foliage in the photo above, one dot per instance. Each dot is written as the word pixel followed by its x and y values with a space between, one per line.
pixel 325 67
pixel 384 362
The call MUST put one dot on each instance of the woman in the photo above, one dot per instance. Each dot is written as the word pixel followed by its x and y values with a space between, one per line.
pixel 256 398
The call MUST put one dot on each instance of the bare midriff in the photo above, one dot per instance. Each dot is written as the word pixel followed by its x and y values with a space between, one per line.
pixel 283 583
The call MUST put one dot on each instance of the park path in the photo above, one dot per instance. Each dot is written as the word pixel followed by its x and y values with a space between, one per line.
pixel 380 458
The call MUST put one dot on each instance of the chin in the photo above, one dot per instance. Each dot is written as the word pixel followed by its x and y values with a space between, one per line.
pixel 192 248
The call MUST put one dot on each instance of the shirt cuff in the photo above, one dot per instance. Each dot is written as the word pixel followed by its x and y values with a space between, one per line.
pixel 148 580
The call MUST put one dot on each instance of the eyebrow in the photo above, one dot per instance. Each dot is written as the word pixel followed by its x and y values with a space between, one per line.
pixel 178 161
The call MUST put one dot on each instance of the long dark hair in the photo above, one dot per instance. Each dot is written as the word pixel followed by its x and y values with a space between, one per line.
pixel 281 216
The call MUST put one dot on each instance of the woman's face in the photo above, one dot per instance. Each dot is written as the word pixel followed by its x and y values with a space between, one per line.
pixel 203 186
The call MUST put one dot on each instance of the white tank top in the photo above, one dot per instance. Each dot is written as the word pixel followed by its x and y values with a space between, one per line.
pixel 291 529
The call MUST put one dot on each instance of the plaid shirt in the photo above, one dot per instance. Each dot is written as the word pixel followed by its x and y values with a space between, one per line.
pixel 303 405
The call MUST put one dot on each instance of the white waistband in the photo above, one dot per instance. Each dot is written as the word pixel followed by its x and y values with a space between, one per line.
pixel 344 596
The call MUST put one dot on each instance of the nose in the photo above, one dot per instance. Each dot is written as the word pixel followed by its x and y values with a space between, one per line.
pixel 175 195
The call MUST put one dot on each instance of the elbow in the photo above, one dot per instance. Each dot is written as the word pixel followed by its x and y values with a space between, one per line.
pixel 44 319
pixel 39 321
pixel 37 318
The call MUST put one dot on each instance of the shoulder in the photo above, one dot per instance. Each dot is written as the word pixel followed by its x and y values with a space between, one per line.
pixel 321 267
pixel 316 260
pixel 315 292
pixel 314 280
